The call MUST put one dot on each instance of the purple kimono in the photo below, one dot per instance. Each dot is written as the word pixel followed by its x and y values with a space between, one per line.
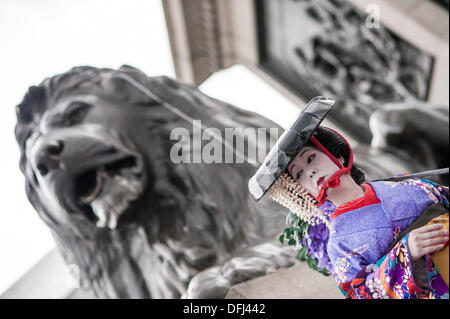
pixel 357 253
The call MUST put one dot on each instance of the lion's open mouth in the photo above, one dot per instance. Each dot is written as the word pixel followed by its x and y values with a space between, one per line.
pixel 106 192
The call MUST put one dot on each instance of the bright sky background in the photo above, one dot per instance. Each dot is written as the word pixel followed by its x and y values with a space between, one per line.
pixel 41 38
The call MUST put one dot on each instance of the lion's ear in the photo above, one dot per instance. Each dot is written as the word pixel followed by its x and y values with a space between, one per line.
pixel 128 68
pixel 134 73
pixel 118 87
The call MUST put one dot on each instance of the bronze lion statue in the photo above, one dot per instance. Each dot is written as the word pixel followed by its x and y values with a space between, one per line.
pixel 95 155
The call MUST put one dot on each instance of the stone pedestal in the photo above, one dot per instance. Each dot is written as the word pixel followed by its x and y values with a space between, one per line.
pixel 297 282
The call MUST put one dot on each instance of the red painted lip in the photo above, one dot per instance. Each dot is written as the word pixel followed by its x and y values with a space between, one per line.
pixel 320 181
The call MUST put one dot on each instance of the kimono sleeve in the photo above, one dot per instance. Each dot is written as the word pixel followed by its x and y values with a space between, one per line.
pixel 391 277
pixel 440 192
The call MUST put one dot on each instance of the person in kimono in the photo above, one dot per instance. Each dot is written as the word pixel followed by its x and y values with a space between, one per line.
pixel 316 179
pixel 366 221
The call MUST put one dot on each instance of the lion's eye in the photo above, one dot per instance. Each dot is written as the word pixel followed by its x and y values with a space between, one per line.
pixel 76 112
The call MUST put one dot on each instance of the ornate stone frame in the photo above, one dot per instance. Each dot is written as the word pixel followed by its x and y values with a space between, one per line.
pixel 209 35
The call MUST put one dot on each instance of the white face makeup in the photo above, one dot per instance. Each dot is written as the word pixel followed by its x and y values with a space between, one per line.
pixel 311 169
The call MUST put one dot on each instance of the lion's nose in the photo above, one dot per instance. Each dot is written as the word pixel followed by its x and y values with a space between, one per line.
pixel 47 157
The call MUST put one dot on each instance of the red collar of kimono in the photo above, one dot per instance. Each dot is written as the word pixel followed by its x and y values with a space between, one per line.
pixel 369 198
pixel 334 180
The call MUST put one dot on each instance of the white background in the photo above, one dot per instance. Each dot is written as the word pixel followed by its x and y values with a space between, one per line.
pixel 42 38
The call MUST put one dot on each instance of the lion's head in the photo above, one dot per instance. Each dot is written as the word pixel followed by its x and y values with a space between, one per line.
pixel 78 153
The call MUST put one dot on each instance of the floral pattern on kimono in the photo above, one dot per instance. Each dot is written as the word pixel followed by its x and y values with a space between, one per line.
pixel 391 278
pixel 364 233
